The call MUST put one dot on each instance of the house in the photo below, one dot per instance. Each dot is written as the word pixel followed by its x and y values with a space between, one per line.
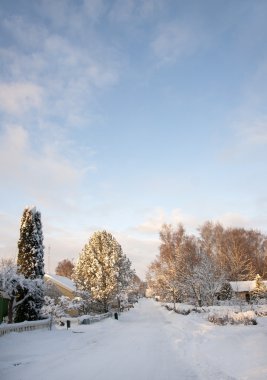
pixel 3 305
pixel 243 289
pixel 64 285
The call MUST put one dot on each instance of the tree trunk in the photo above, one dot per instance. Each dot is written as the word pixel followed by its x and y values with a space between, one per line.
pixel 10 310
pixel 174 299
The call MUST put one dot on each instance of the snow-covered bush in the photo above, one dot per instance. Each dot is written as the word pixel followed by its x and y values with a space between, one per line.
pixel 184 309
pixel 52 309
pixel 232 318
pixel 19 289
pixel 260 313
pixel 64 306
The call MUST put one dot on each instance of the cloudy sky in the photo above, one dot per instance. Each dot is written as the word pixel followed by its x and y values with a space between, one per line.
pixel 126 114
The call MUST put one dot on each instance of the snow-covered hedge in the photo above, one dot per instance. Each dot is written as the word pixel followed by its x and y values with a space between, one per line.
pixel 233 318
pixel 184 309
pixel 261 313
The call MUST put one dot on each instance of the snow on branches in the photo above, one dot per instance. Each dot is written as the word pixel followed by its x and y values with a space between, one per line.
pixel 30 262
pixel 102 269
pixel 16 288
pixel 30 244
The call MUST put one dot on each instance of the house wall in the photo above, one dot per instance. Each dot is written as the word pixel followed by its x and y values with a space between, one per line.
pixel 64 291
pixel 241 295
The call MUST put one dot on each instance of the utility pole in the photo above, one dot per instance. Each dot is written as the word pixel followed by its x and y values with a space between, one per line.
pixel 48 259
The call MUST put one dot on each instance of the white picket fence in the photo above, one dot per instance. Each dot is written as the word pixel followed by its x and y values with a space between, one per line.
pixel 24 326
pixel 88 319
pixel 46 323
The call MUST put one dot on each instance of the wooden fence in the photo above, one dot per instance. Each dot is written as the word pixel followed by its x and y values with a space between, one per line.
pixel 24 326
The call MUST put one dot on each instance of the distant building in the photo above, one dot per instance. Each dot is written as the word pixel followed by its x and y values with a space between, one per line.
pixel 64 285
pixel 243 289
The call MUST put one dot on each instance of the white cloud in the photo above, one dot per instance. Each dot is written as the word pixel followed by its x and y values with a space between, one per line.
pixel 140 251
pixel 56 73
pixel 122 10
pixel 249 120
pixel 253 133
pixel 24 33
pixel 94 8
pixel 173 41
pixel 39 171
pixel 231 219
pixel 150 7
pixel 159 216
pixel 238 220
pixel 8 239
pixel 17 98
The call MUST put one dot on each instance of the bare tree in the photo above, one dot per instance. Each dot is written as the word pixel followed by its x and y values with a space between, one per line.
pixel 65 268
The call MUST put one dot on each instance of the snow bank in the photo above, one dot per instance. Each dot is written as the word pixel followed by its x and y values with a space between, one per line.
pixel 148 342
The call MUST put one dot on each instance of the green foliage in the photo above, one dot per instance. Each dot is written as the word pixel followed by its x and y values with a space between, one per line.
pixel 30 245
pixel 30 263
pixel 226 292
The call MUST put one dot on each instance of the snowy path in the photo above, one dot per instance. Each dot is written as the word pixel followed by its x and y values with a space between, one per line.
pixel 147 343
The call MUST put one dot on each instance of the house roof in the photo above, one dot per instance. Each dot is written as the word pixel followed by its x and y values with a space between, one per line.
pixel 244 286
pixel 4 295
pixel 64 282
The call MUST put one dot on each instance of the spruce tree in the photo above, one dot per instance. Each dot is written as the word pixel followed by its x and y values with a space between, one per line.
pixel 31 262
pixel 30 245
pixel 102 269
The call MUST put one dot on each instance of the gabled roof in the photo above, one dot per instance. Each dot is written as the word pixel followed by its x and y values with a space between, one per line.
pixel 64 282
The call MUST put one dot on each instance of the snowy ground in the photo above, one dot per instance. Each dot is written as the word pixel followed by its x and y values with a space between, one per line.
pixel 147 342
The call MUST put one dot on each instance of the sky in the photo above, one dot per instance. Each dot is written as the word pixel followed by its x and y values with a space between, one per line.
pixel 127 114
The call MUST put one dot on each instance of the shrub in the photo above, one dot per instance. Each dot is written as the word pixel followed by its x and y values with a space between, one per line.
pixel 233 318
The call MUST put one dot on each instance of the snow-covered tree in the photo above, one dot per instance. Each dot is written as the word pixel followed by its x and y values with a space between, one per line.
pixel 260 290
pixel 204 280
pixel 31 262
pixel 51 309
pixel 102 269
pixel 30 245
pixel 182 271
pixel 16 287
pixel 63 306
pixel 82 302
pixel 226 292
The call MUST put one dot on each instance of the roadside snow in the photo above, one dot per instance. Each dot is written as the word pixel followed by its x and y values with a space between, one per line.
pixel 146 343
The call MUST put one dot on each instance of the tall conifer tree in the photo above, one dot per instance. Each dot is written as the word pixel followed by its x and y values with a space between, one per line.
pixel 31 261
pixel 30 244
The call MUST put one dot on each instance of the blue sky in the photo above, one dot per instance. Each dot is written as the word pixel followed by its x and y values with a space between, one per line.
pixel 123 115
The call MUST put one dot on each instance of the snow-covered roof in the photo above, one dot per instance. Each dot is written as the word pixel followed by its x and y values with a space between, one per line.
pixel 4 295
pixel 244 286
pixel 61 281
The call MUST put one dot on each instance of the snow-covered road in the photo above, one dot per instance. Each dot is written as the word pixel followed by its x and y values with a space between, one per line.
pixel 147 342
